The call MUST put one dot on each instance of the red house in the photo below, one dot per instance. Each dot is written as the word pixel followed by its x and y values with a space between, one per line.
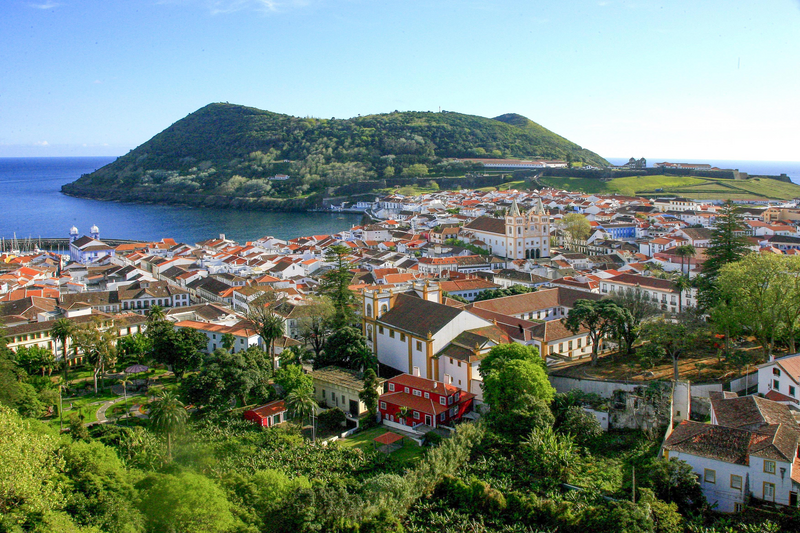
pixel 426 401
pixel 267 415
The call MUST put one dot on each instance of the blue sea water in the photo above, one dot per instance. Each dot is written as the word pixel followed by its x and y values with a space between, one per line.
pixel 31 205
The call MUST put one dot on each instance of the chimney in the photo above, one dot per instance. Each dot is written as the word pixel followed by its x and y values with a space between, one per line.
pixel 222 236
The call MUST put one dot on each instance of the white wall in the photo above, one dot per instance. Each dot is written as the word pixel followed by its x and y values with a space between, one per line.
pixel 719 492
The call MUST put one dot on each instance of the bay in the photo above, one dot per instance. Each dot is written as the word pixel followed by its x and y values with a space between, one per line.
pixel 31 205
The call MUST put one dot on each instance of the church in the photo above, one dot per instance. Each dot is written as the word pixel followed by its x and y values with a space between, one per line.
pixel 517 235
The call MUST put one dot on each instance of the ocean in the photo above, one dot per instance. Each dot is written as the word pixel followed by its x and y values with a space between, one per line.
pixel 31 205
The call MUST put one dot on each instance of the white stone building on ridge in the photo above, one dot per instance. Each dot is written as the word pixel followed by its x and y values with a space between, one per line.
pixel 517 235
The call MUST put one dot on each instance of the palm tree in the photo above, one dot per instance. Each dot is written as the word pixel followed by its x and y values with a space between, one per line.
pixel 167 415
pixel 272 330
pixel 404 413
pixel 155 314
pixel 61 331
pixel 301 403
pixel 684 251
pixel 682 283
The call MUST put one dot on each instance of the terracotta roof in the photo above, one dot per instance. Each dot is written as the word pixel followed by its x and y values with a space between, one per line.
pixel 750 412
pixel 388 438
pixel 269 409
pixel 534 301
pixel 488 224
pixel 715 442
pixel 418 316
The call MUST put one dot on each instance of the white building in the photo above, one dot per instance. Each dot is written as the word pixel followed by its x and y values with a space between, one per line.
pixel 516 236
pixel 749 451
pixel 662 292
pixel 779 380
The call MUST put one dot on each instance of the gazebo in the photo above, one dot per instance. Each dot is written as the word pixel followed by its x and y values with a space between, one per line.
pixel 137 369
pixel 388 442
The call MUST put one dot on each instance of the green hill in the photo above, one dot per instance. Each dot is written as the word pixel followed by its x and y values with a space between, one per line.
pixel 224 152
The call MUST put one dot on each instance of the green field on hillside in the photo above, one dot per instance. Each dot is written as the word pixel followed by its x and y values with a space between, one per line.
pixel 691 187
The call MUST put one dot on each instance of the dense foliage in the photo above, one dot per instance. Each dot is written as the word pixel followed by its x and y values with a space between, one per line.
pixel 232 151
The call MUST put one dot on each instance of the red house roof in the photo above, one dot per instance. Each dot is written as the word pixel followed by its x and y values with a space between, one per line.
pixel 272 408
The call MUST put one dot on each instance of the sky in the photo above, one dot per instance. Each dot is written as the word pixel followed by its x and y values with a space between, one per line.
pixel 710 79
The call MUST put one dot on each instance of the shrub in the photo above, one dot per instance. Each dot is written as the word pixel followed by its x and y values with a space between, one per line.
pixel 332 418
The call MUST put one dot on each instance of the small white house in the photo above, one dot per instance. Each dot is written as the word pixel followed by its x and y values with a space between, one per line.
pixel 779 380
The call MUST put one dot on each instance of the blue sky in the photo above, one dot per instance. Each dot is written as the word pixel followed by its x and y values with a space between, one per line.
pixel 682 79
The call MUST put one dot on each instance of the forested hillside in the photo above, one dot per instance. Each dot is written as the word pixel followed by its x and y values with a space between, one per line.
pixel 231 151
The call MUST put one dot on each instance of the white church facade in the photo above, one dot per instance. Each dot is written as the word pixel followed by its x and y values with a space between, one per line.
pixel 517 235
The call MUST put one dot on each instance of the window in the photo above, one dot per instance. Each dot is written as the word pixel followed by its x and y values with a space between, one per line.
pixel 709 476
pixel 776 384
pixel 407 390
pixel 391 387
pixel 380 330
pixel 791 390
pixel 580 342
pixel 776 372
pixel 427 395
pixel 402 337
pixel 417 393
pixel 569 346
pixel 737 507
pixel 769 467
pixel 391 334
pixel 442 400
pixel 419 346
pixel 342 399
pixel 323 394
pixel 416 415
pixel 736 482
pixel 383 405
pixel 769 491
pixel 441 417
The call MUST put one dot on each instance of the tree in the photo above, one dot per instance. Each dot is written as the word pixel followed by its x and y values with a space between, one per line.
pixel 225 376
pixel 580 424
pixel 178 348
pixel 184 502
pixel 98 346
pixel 35 359
pixel 598 317
pixel 575 228
pixel 674 337
pixel 335 283
pixel 167 415
pixel 228 341
pixel 291 378
pixel 636 308
pixel 684 251
pixel 503 353
pixel 503 388
pixel 415 171
pixel 760 289
pixel 156 314
pixel 267 324
pixel 347 348
pixel 674 481
pixel 728 242
pixel 314 323
pixel 61 331
pixel 134 348
pixel 301 403
pixel 369 394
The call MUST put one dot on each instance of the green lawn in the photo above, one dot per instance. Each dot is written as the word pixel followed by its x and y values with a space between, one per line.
pixel 693 187
pixel 363 440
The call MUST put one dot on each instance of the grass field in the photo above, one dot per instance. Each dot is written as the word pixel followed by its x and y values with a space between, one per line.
pixel 692 187
pixel 363 440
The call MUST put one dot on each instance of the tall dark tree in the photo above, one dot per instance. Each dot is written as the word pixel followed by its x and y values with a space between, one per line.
pixel 637 307
pixel 267 324
pixel 168 415
pixel 728 242
pixel 177 348
pixel 335 284
pixel 598 317
pixel 369 394
pixel 347 348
